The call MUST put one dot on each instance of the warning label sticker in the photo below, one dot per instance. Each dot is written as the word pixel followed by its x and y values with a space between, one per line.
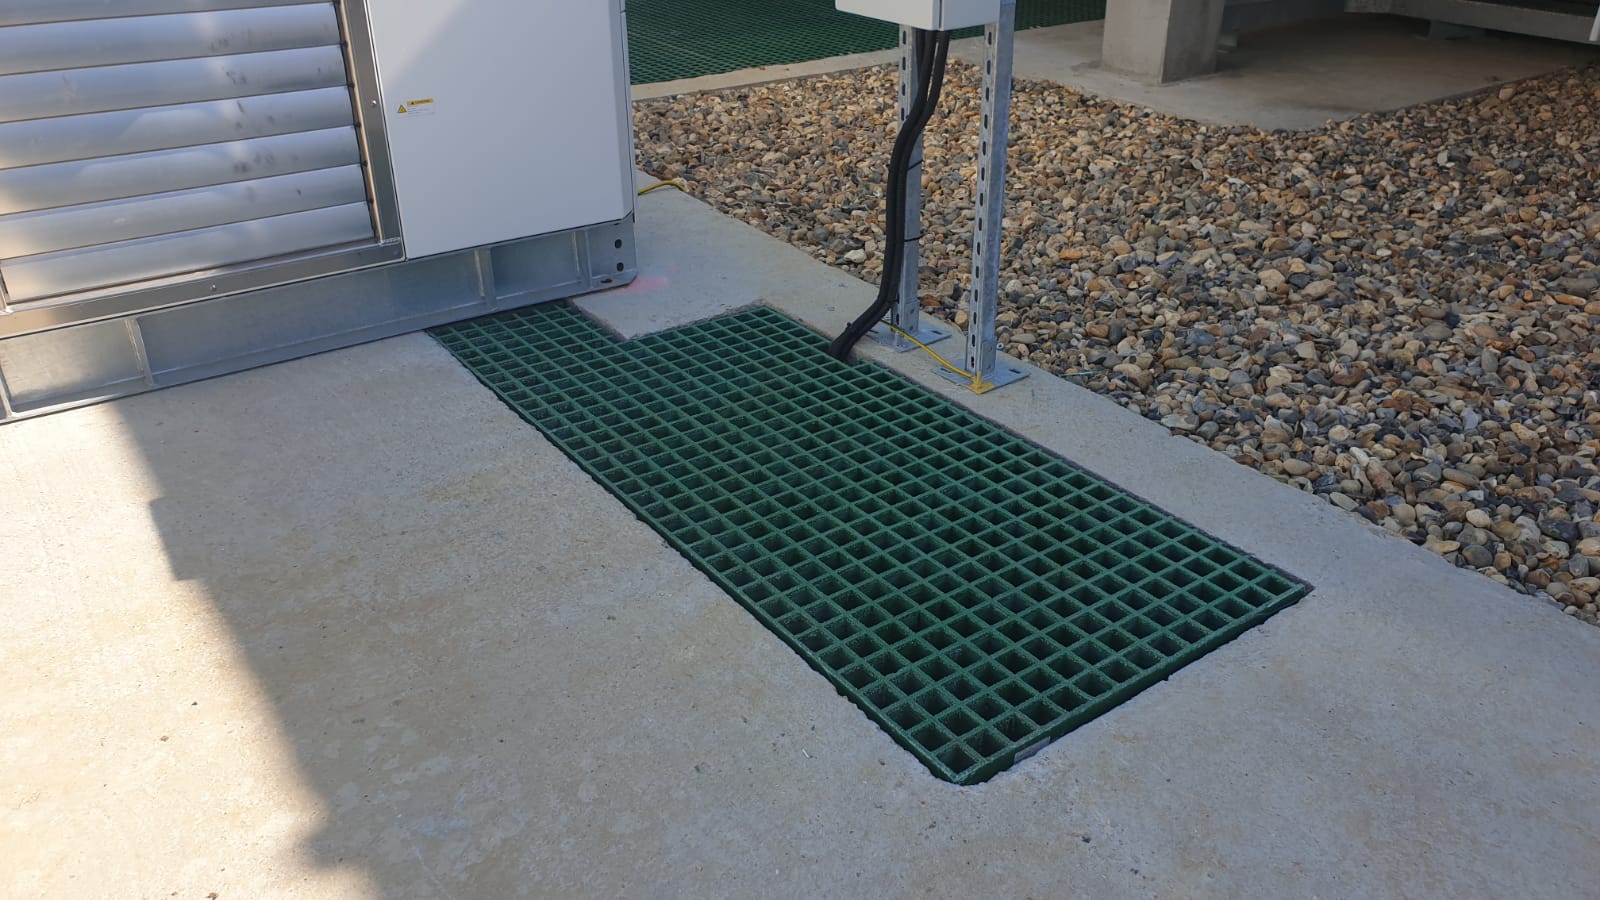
pixel 418 108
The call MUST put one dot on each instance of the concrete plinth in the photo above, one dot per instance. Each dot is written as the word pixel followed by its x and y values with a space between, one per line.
pixel 1162 40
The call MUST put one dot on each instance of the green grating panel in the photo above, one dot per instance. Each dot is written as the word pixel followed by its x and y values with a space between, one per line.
pixel 672 39
pixel 976 595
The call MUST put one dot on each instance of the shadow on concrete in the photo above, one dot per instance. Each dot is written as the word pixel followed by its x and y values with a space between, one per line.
pixel 452 626
pixel 403 565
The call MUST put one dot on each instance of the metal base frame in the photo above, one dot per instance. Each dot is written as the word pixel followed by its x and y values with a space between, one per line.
pixel 82 364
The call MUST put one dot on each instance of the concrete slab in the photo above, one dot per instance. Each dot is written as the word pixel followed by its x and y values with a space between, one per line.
pixel 704 272
pixel 1294 77
pixel 1300 76
pixel 346 627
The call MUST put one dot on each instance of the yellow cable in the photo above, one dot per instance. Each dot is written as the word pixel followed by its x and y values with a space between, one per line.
pixel 979 386
pixel 668 183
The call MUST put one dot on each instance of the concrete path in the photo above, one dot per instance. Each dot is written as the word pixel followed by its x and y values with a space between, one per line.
pixel 1294 77
pixel 346 627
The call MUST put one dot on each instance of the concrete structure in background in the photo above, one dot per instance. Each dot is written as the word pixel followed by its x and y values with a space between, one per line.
pixel 1162 40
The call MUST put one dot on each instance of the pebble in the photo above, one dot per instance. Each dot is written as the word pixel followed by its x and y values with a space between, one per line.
pixel 1562 530
pixel 1477 556
pixel 1318 289
pixel 1437 332
pixel 1288 298
pixel 1296 467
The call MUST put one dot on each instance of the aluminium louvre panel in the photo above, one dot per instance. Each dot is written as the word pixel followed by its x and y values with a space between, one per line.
pixel 173 137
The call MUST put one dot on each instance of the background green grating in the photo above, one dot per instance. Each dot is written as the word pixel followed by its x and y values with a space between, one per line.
pixel 974 594
pixel 672 39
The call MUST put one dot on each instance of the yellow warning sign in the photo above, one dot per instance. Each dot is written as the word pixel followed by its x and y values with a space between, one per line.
pixel 413 109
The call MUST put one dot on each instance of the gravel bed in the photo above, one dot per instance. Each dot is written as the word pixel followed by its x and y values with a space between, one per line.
pixel 1400 313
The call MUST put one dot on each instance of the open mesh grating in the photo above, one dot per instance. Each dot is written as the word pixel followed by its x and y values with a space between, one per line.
pixel 974 594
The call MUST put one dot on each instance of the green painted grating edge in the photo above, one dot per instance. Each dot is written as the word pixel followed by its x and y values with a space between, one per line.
pixel 974 594
pixel 673 39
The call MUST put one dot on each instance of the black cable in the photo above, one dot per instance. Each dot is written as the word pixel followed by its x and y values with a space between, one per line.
pixel 930 86
pixel 896 183
pixel 918 115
